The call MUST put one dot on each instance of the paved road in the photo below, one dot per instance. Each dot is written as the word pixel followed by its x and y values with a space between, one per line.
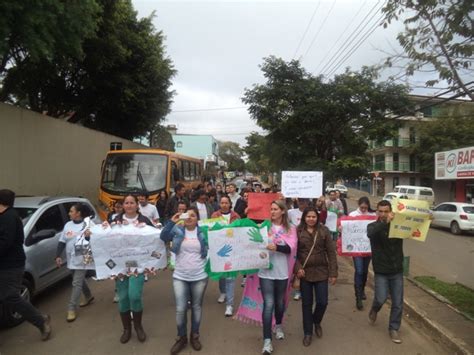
pixel 97 328
pixel 444 255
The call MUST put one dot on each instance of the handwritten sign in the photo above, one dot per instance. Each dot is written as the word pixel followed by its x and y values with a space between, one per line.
pixel 354 240
pixel 412 219
pixel 259 205
pixel 331 221
pixel 304 184
pixel 127 250
pixel 240 247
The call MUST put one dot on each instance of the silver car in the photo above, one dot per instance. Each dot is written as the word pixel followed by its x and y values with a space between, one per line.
pixel 43 221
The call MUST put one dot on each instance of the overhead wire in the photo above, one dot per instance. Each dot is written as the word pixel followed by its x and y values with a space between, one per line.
pixel 307 29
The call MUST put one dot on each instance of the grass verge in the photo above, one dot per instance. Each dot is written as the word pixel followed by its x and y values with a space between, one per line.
pixel 460 296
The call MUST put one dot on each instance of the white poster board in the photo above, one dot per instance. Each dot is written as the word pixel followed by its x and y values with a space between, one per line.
pixel 304 184
pixel 354 236
pixel 126 249
pixel 239 248
pixel 331 221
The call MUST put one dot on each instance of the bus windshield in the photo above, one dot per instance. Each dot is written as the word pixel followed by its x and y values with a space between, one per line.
pixel 129 172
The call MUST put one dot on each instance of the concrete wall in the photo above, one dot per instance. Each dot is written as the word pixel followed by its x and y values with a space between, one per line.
pixel 41 155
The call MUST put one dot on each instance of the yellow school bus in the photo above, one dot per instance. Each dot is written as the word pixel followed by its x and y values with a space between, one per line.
pixel 152 170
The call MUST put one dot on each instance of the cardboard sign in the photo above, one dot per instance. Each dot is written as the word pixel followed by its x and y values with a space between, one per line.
pixel 259 205
pixel 304 184
pixel 412 219
pixel 354 240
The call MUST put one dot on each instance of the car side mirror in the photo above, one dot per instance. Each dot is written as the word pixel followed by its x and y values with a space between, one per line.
pixel 41 235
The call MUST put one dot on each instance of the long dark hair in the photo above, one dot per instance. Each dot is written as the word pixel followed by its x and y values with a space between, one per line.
pixel 303 226
pixel 364 200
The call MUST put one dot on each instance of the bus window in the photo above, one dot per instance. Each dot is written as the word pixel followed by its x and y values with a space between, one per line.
pixel 175 171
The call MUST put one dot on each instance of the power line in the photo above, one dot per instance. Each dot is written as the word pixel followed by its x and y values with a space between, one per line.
pixel 306 31
pixel 351 38
pixel 319 29
pixel 340 36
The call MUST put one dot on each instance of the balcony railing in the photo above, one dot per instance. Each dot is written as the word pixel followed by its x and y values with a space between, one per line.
pixel 395 166
pixel 396 142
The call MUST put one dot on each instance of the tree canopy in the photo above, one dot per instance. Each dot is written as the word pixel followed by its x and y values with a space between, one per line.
pixel 319 125
pixel 438 37
pixel 232 154
pixel 112 75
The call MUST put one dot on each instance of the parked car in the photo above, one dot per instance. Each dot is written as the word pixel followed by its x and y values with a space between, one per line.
pixel 456 216
pixel 416 193
pixel 43 221
pixel 342 189
pixel 390 196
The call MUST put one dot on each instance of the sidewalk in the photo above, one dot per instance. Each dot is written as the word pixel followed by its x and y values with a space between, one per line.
pixel 450 327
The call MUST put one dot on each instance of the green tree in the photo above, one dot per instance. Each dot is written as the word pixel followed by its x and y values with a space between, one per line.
pixel 120 85
pixel 258 152
pixel 161 138
pixel 232 154
pixel 439 35
pixel 451 129
pixel 319 125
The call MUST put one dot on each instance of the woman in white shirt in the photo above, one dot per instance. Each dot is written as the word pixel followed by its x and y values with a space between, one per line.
pixel 189 277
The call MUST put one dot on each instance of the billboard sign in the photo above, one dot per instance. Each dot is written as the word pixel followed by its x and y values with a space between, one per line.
pixel 455 164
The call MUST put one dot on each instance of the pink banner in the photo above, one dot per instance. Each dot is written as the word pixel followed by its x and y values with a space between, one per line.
pixel 259 205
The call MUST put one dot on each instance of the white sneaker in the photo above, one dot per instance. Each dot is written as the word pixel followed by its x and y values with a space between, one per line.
pixel 116 298
pixel 229 311
pixel 146 278
pixel 297 296
pixel 267 346
pixel 221 298
pixel 279 332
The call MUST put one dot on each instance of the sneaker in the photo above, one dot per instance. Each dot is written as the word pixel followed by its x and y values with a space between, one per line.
pixel 116 298
pixel 267 347
pixel 372 316
pixel 279 332
pixel 229 311
pixel 86 302
pixel 71 316
pixel 221 298
pixel 179 345
pixel 46 331
pixel 395 337
pixel 297 296
pixel 318 330
pixel 146 278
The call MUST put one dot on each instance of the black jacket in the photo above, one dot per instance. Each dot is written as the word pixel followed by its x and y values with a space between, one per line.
pixel 12 254
pixel 240 207
pixel 387 254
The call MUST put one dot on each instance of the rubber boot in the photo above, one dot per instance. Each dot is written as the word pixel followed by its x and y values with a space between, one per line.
pixel 127 327
pixel 358 295
pixel 137 324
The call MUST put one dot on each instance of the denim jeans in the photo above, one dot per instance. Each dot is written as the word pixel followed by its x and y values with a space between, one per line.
pixel 182 291
pixel 361 266
pixel 310 317
pixel 273 293
pixel 227 286
pixel 393 283
pixel 130 292
pixel 10 285
pixel 79 285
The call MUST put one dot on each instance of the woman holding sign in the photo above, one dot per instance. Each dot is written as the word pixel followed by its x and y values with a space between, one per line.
pixel 130 289
pixel 361 263
pixel 189 277
pixel 316 265
pixel 274 282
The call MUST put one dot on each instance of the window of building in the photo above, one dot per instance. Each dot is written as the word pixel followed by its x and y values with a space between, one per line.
pixel 179 144
pixel 412 162
pixel 396 165
pixel 412 135
pixel 412 181
pixel 395 182
pixel 379 162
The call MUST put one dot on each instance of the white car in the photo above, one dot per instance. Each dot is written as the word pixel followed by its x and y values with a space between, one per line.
pixel 342 189
pixel 390 196
pixel 456 216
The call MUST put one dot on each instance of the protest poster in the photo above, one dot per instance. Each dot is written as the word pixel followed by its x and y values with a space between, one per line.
pixel 354 240
pixel 210 222
pixel 331 221
pixel 240 247
pixel 259 205
pixel 412 219
pixel 126 250
pixel 302 184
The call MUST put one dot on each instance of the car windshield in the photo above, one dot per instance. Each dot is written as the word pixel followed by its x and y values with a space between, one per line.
pixel 129 172
pixel 25 213
pixel 468 209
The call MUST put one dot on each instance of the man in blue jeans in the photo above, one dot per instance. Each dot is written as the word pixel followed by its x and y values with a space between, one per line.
pixel 387 261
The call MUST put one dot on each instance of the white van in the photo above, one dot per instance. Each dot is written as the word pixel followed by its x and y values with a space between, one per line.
pixel 416 193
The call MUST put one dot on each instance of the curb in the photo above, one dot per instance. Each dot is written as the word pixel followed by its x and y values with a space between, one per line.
pixel 457 345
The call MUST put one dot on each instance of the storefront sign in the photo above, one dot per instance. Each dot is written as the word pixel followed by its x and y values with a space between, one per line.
pixel 455 164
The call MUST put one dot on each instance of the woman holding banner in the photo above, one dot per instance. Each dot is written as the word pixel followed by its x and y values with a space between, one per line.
pixel 273 283
pixel 361 263
pixel 316 265
pixel 130 288
pixel 189 277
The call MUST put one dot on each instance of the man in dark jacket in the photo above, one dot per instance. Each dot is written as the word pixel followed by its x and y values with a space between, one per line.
pixel 173 201
pixel 12 264
pixel 387 261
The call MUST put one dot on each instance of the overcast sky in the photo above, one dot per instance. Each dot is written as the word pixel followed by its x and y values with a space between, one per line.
pixel 217 48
